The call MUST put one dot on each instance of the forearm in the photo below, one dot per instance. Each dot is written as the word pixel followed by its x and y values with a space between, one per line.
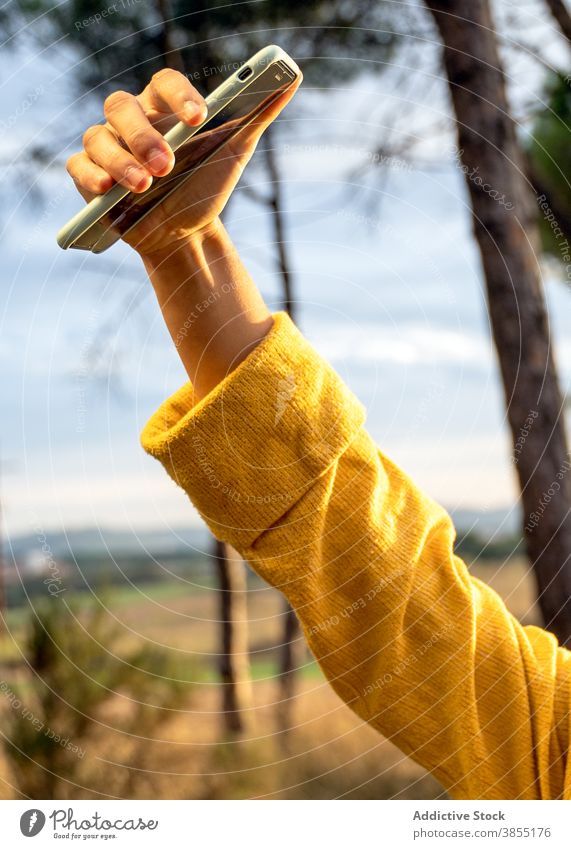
pixel 211 306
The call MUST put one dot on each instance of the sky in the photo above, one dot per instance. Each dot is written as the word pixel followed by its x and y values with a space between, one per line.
pixel 388 285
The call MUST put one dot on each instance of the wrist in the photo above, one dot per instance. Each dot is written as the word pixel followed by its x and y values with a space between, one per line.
pixel 211 306
pixel 184 247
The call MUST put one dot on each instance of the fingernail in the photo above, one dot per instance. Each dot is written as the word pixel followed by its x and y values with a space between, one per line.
pixel 195 112
pixel 137 178
pixel 158 159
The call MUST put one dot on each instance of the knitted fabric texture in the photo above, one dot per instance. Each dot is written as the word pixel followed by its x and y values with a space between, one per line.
pixel 278 462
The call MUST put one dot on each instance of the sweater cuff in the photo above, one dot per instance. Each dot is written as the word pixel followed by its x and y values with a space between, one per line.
pixel 248 451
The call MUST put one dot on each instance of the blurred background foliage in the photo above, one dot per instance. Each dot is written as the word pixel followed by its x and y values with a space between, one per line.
pixel 332 39
pixel 550 155
pixel 78 685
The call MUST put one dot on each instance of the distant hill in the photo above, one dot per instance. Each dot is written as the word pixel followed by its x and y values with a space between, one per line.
pixel 102 557
pixel 500 524
pixel 110 541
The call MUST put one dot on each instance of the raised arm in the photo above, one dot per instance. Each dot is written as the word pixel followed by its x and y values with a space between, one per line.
pixel 271 447
pixel 418 648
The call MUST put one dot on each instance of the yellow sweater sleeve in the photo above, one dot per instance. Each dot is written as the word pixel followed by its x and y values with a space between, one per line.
pixel 279 464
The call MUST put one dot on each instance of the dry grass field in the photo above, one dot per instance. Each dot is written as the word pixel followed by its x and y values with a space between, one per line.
pixel 329 753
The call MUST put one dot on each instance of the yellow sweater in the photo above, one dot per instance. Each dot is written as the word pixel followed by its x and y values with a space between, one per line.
pixel 279 464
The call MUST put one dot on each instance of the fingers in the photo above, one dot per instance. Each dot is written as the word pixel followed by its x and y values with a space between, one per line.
pixel 170 92
pixel 130 119
pixel 129 149
pixel 125 115
pixel 89 177
pixel 105 150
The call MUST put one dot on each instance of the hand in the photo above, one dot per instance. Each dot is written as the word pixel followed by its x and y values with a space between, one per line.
pixel 130 149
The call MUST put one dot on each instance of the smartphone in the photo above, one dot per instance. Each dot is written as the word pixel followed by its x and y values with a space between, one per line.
pixel 231 107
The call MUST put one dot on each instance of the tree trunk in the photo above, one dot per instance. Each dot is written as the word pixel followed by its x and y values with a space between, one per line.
pixel 559 11
pixel 171 53
pixel 291 658
pixel 291 649
pixel 505 227
pixel 276 206
pixel 234 661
